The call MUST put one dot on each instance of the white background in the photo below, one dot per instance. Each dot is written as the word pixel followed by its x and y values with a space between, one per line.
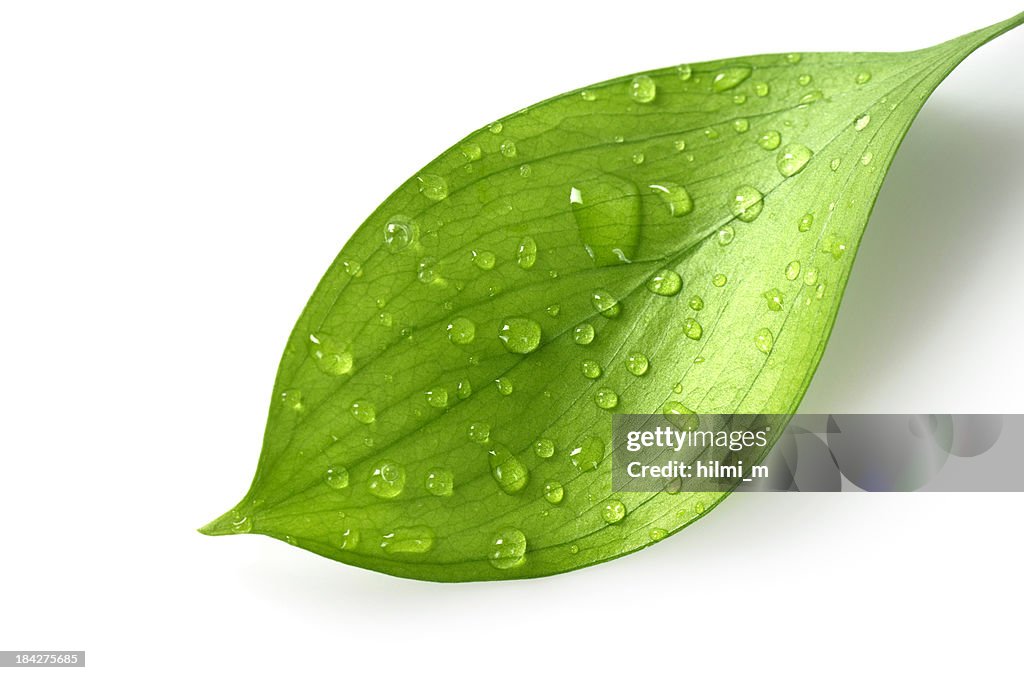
pixel 174 179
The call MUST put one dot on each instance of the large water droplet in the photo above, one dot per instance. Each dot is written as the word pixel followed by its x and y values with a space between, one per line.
pixel 588 454
pixel 329 354
pixel 591 369
pixel 607 214
pixel 637 363
pixel 674 196
pixel 508 549
pixel 666 282
pixel 408 540
pixel 520 335
pixel 507 470
pixel 747 203
pixel 692 328
pixel 461 330
pixel 606 398
pixel 387 479
pixel 642 89
pixel 399 232
pixel 792 159
pixel 728 78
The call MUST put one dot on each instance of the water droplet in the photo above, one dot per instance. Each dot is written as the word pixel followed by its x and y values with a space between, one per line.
pixel 696 303
pixel 520 335
pixel 479 432
pixel 484 259
pixel 574 549
pixel 329 354
pixel 508 549
pixel 711 133
pixel 805 222
pixel 764 340
pixel 349 539
pixel 591 369
pixel 656 534
pixel 399 232
pixel 415 540
pixel 866 158
pixel 811 97
pixel 607 214
pixel 544 448
pixel 675 198
pixel 613 511
pixel 496 127
pixel 793 270
pixel 836 162
pixel 726 234
pixel 769 140
pixel 552 310
pixel 583 334
pixel 699 508
pixel 437 397
pixel 642 89
pixel 862 122
pixel 461 331
pixel 336 477
pixel 526 252
pixel 805 79
pixel 679 144
pixel 739 99
pixel 719 280
pixel 588 454
pixel 747 203
pixel 666 282
pixel 728 78
pixel 605 303
pixel 507 470
pixel 680 416
pixel 811 277
pixel 240 524
pixel 819 291
pixel 792 159
pixel 387 479
pixel 553 492
pixel 774 299
pixel 637 363
pixel 433 187
pixel 761 89
pixel 684 71
pixel 692 328
pixel 862 77
pixel 741 125
pixel 363 411
pixel 793 58
pixel 505 386
pixel 464 389
pixel 427 271
pixel 588 95
pixel 352 268
pixel 508 149
pixel 440 482
pixel 471 151
pixel 638 158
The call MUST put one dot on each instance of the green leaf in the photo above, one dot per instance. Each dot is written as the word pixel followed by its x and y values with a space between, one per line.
pixel 677 240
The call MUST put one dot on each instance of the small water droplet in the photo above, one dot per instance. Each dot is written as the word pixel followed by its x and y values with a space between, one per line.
pixel 637 363
pixel 656 534
pixel 793 270
pixel 520 335
pixel 819 291
pixel 508 149
pixel 747 203
pixel 862 122
pixel 741 125
pixel 642 89
pixel 471 151
pixel 479 432
pixel 684 71
pixel 866 158
pixel 769 140
pixel 588 454
pixel 387 479
pixel 414 540
pixel 464 389
pixel 711 133
pixel 728 78
pixel 719 280
pixel 679 144
pixel 336 477
pixel 811 277
pixel 613 511
pixel 665 282
pixel 583 334
pixel 329 354
pixel 804 79
pixel 507 470
pixel 553 492
pixel 352 268
pixel 427 271
pixel 437 397
pixel 761 89
pixel 240 524
pixel 544 448
pixel 433 187
pixel 605 303
pixel 496 127
pixel 739 99
pixel 805 222
pixel 484 259
pixel 607 214
pixel 552 310
pixel 526 253
pixel 696 303
pixel 726 234
pixel 674 196
pixel 764 340
pixel 862 77
pixel 461 331
pixel 588 95
pixel 399 232
pixel 793 58
pixel 363 411
pixel 590 368
pixel 440 482
pixel 349 539
pixel 508 549
pixel 792 159
pixel 638 158
pixel 505 386
pixel 692 328
pixel 574 549
pixel 836 162
pixel 774 299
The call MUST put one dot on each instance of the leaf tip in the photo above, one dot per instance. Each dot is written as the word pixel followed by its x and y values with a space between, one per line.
pixel 231 522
